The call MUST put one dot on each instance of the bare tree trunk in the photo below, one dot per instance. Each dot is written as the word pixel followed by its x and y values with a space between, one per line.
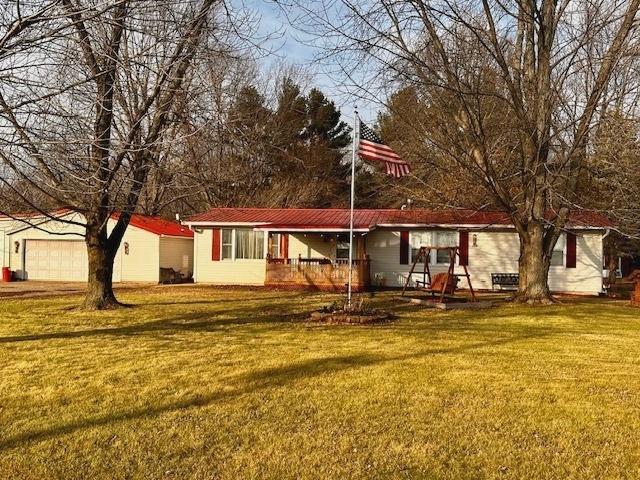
pixel 99 295
pixel 533 267
pixel 611 255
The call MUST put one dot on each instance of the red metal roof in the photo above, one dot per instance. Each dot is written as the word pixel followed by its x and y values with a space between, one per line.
pixel 159 226
pixel 309 218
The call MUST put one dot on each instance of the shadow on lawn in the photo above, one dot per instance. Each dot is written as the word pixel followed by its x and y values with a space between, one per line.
pixel 280 312
pixel 250 383
pixel 192 321
pixel 244 384
pixel 220 301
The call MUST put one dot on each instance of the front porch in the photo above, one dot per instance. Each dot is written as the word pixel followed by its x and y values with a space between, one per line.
pixel 317 273
pixel 316 261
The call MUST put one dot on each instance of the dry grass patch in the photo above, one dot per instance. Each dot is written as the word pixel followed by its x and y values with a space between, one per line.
pixel 205 383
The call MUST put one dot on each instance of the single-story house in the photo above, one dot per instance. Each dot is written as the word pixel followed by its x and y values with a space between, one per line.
pixel 36 247
pixel 279 247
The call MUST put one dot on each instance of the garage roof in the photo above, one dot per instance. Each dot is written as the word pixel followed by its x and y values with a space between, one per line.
pixel 338 218
pixel 158 225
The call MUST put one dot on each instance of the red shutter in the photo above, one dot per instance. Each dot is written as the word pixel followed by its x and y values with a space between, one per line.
pixel 284 245
pixel 216 246
pixel 464 248
pixel 571 250
pixel 404 247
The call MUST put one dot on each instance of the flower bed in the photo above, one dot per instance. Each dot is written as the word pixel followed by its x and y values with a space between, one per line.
pixel 337 313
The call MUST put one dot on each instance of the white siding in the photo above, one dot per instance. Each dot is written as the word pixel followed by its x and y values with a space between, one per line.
pixel 6 225
pixel 224 272
pixel 587 276
pixel 383 248
pixel 142 264
pixel 495 252
pixel 312 246
pixel 177 253
pixel 51 230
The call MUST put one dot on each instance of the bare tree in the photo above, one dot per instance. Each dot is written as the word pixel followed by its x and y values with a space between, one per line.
pixel 540 69
pixel 89 94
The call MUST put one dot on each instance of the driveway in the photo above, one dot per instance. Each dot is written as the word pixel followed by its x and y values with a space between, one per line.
pixel 32 289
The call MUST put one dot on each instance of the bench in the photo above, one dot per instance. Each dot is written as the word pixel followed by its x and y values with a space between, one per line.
pixel 505 280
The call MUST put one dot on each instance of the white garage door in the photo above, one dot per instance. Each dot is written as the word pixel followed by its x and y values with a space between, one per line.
pixel 63 260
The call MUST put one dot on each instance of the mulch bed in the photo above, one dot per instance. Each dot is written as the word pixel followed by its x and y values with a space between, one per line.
pixel 350 318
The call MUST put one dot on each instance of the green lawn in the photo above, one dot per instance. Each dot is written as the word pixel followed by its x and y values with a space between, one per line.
pixel 206 383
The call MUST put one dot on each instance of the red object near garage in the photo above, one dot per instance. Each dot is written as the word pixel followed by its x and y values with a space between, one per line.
pixel 6 274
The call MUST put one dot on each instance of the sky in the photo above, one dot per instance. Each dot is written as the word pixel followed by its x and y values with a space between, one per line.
pixel 290 47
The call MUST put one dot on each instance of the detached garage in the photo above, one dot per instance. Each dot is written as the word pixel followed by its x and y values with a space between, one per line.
pixel 62 260
pixel 46 249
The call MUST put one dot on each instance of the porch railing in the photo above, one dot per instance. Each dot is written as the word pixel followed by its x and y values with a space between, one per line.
pixel 321 273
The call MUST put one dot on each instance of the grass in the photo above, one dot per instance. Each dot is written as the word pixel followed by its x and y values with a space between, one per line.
pixel 206 383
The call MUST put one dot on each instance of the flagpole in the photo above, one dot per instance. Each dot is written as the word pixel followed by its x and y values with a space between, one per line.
pixel 353 194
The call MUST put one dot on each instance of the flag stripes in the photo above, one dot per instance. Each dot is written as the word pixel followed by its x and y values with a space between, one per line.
pixel 372 149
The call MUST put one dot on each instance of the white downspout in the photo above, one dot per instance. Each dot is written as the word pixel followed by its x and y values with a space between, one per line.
pixel 196 235
pixel 4 248
pixel 606 234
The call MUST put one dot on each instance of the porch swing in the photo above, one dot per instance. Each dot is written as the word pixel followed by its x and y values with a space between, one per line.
pixel 441 284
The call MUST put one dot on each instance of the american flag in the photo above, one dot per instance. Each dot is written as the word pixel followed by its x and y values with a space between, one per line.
pixel 371 148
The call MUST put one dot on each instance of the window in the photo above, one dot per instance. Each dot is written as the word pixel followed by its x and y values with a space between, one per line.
pixel 227 244
pixel 249 244
pixel 433 239
pixel 342 246
pixel 419 239
pixel 274 245
pixel 444 239
pixel 557 258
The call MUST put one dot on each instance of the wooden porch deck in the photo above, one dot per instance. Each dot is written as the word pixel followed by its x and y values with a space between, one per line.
pixel 317 273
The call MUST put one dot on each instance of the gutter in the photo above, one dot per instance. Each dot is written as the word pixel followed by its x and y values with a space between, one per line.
pixel 222 224
pixel 606 234
pixel 311 230
pixel 449 226
pixel 4 246
pixel 162 235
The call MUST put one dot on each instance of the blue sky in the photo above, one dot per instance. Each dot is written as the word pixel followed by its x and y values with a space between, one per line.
pixel 291 48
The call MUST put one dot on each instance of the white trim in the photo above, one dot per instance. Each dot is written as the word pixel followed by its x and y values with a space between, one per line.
pixel 452 226
pixel 41 220
pixel 313 230
pixel 195 256
pixel 562 236
pixel 165 236
pixel 446 226
pixel 224 224
pixel 233 246
pixel 278 243
pixel 433 255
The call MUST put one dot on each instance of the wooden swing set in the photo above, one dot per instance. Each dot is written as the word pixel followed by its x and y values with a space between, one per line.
pixel 442 284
